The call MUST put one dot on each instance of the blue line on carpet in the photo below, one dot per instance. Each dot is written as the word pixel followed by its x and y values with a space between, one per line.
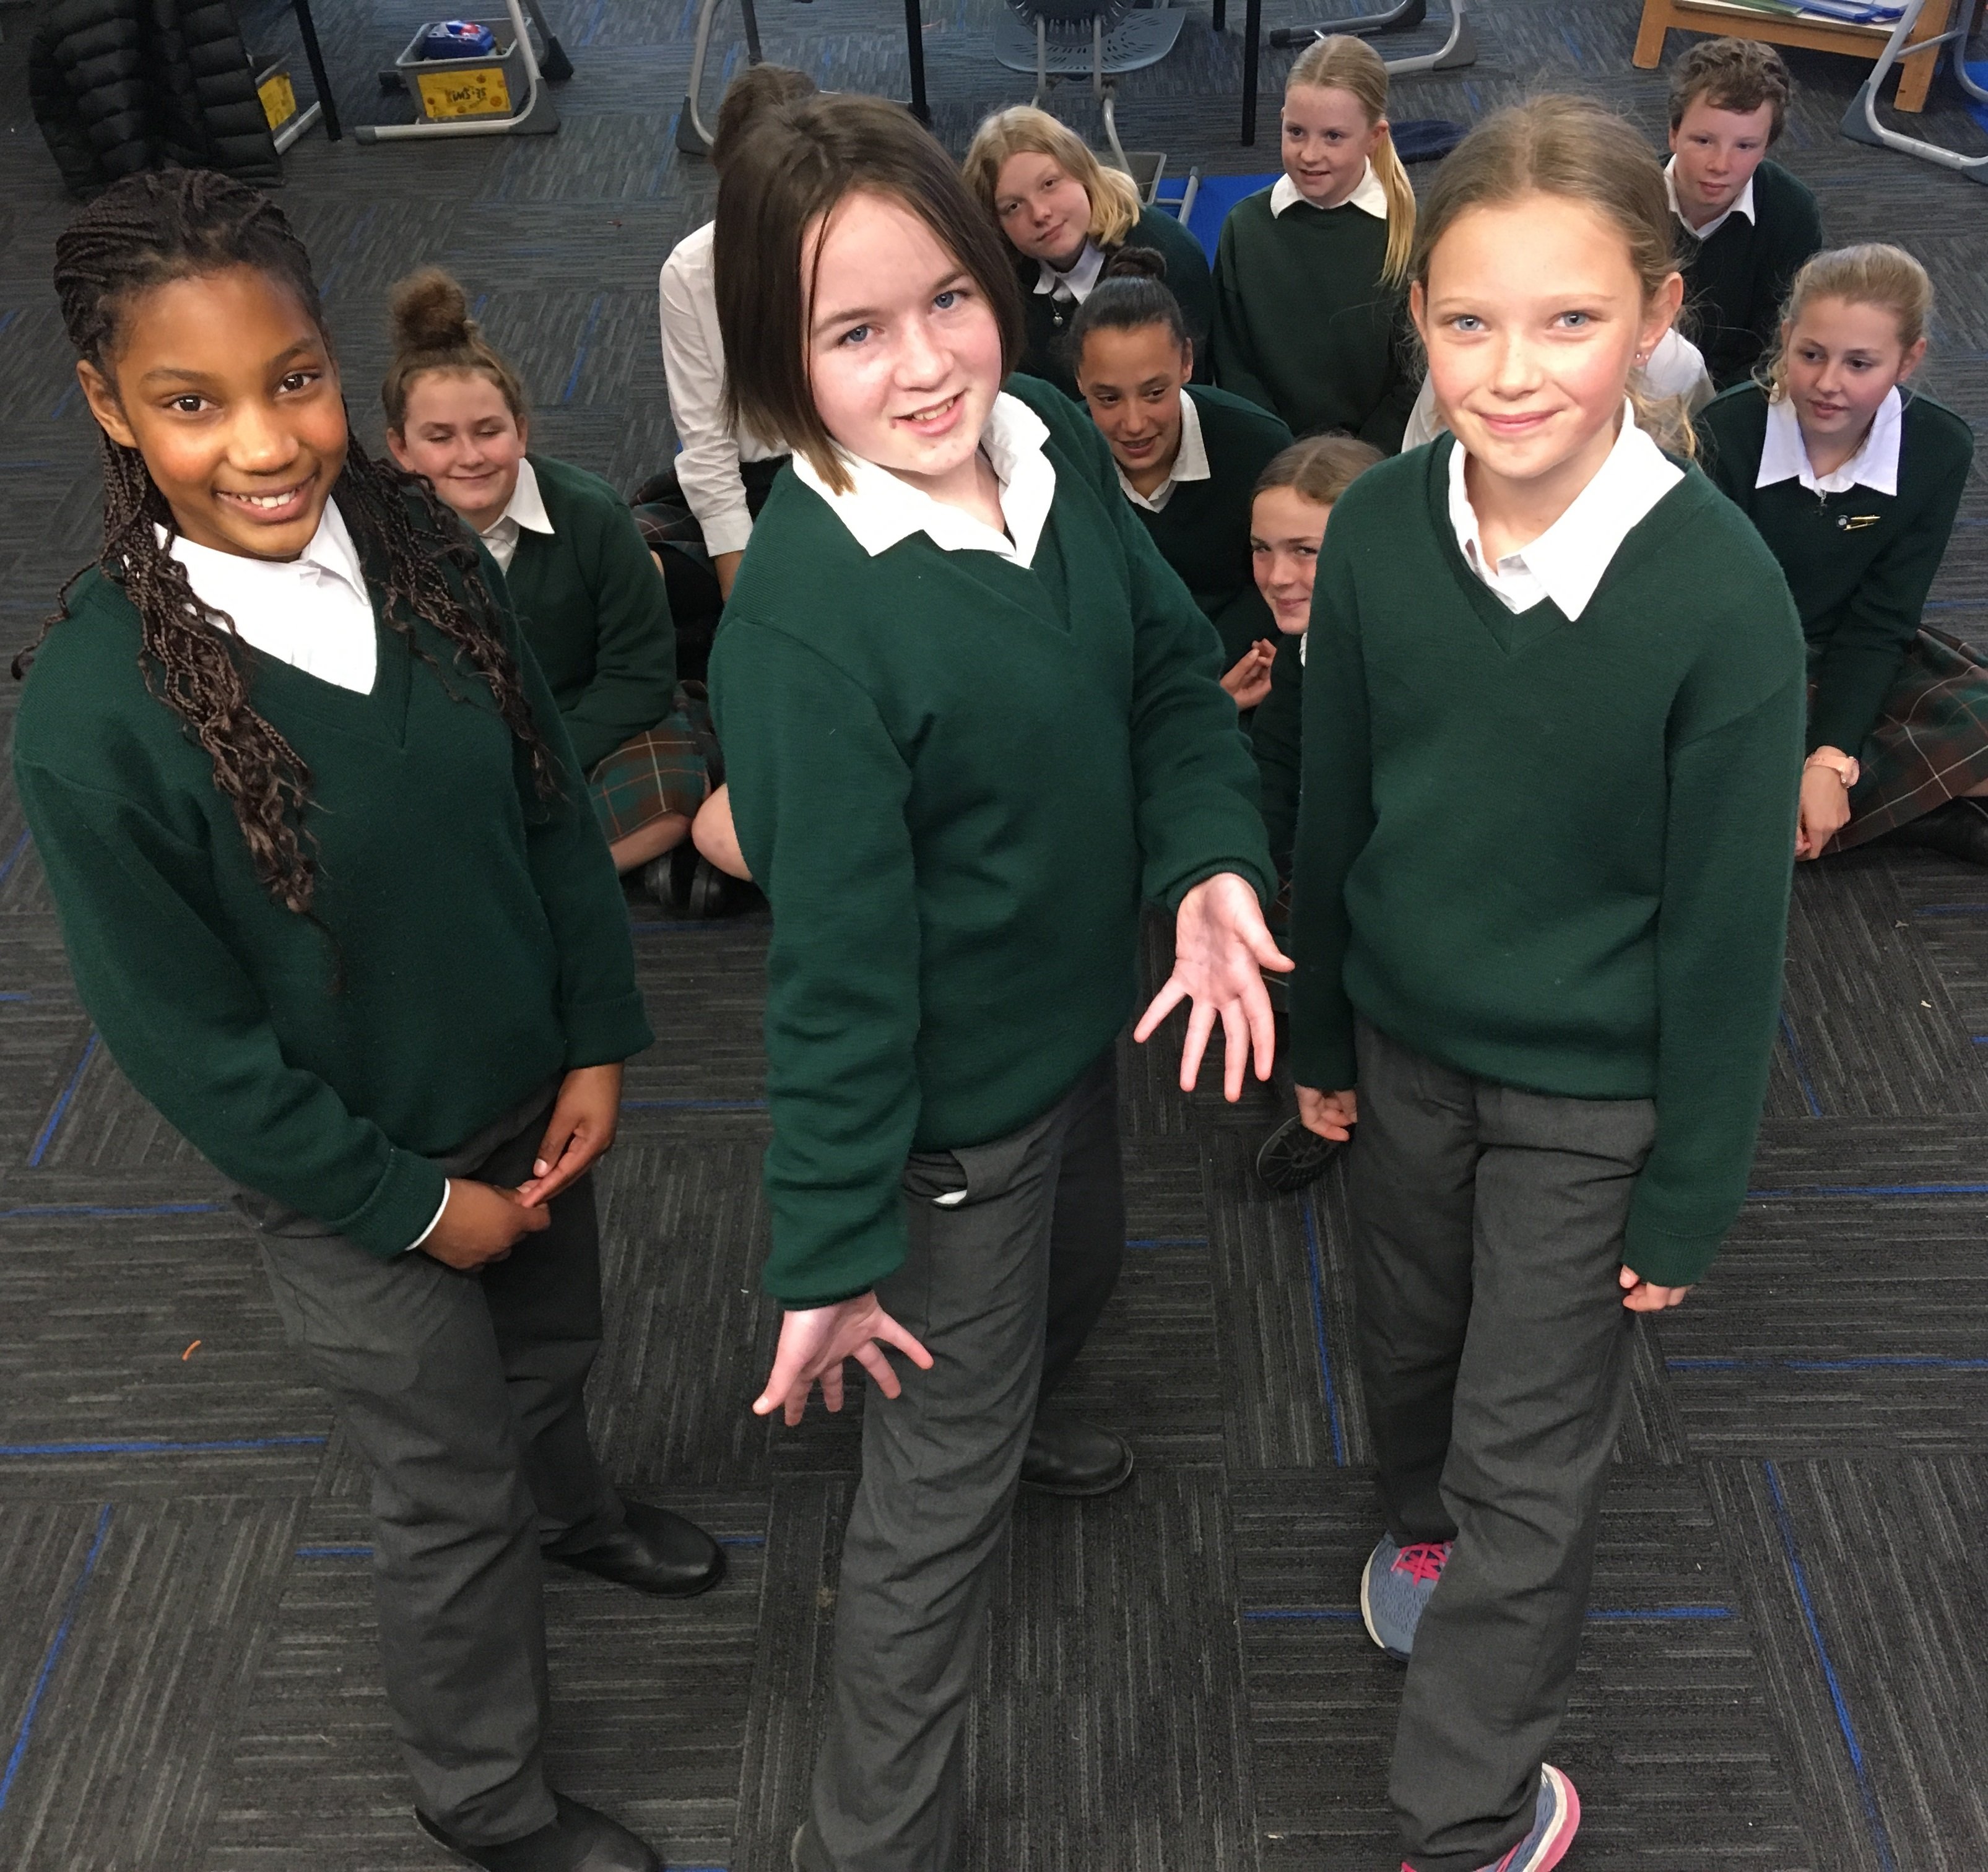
pixel 62 404
pixel 51 1657
pixel 16 994
pixel 1316 1275
pixel 151 1446
pixel 1801 1066
pixel 1166 1241
pixel 1951 910
pixel 7 862
pixel 1797 1190
pixel 592 22
pixel 1899 1361
pixel 741 1540
pixel 334 1553
pixel 53 1122
pixel 1785 1522
pixel 586 341
pixel 683 25
pixel 8 317
pixel 693 1104
pixel 1618 1614
pixel 53 1210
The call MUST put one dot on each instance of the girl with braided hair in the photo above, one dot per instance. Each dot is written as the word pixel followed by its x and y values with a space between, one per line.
pixel 335 898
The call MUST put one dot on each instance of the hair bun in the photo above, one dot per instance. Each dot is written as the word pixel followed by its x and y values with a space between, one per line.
pixel 432 312
pixel 1136 263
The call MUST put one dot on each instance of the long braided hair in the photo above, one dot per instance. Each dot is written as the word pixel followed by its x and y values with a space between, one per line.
pixel 143 231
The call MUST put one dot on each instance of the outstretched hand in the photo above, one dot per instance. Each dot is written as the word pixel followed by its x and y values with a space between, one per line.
pixel 1221 948
pixel 814 1340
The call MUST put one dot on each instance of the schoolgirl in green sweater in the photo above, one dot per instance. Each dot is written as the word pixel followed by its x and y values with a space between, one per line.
pixel 1552 715
pixel 309 817
pixel 1064 214
pixel 585 588
pixel 1188 454
pixel 972 722
pixel 1308 315
pixel 1854 479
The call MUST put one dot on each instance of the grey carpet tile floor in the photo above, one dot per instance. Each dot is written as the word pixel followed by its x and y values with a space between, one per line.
pixel 1786 1664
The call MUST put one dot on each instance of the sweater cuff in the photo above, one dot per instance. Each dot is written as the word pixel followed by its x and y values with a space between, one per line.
pixel 404 1206
pixel 730 531
pixel 605 1032
pixel 1664 1257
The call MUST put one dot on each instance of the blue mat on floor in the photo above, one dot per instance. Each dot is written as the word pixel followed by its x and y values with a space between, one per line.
pixel 1216 196
pixel 1977 70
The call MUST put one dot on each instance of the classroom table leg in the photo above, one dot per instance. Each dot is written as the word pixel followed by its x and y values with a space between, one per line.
pixel 307 29
pixel 1656 22
pixel 1253 50
pixel 914 46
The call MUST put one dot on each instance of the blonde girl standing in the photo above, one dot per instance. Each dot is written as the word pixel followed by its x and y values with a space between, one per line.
pixel 1309 274
pixel 1854 479
pixel 1539 914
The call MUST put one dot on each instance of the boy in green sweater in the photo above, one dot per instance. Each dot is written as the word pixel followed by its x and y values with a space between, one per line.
pixel 1745 224
pixel 307 814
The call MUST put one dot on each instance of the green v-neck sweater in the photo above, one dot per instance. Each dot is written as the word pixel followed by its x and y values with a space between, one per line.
pixel 481 934
pixel 1859 563
pixel 595 613
pixel 1303 324
pixel 1736 282
pixel 1555 855
pixel 1203 530
pixel 957 778
pixel 1046 321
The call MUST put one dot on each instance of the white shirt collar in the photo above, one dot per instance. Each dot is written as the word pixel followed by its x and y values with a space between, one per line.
pixel 526 508
pixel 1568 561
pixel 330 554
pixel 1079 281
pixel 1784 455
pixel 1190 464
pixel 880 509
pixel 1744 205
pixel 1368 196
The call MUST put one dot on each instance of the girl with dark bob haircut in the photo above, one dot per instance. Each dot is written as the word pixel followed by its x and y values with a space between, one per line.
pixel 972 724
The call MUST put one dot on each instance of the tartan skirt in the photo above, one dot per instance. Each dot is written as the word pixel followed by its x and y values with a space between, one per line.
pixel 659 773
pixel 1930 746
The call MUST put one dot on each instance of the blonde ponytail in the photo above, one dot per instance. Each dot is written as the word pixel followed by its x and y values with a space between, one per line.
pixel 1343 63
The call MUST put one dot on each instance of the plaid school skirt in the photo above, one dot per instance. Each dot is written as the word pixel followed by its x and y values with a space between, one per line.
pixel 1930 746
pixel 661 771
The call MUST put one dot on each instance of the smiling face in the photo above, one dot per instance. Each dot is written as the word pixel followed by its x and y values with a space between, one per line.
pixel 1132 380
pixel 1717 152
pixel 1043 210
pixel 1328 140
pixel 1842 359
pixel 460 434
pixel 1533 316
pixel 227 390
pixel 1285 530
pixel 904 350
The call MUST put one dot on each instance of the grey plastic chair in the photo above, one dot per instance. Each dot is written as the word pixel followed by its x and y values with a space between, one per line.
pixel 1860 122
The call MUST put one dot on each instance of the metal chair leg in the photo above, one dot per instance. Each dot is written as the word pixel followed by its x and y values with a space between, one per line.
pixel 1459 50
pixel 1860 123
pixel 1402 18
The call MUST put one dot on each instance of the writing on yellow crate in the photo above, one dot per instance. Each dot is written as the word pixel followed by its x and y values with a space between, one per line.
pixel 279 98
pixel 480 92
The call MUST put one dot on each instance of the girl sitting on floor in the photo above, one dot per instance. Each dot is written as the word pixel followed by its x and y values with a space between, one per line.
pixel 1187 454
pixel 1064 214
pixel 587 592
pixel 1853 480
pixel 1309 312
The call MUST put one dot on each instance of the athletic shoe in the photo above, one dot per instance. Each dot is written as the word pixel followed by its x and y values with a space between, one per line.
pixel 1556 1820
pixel 1395 1587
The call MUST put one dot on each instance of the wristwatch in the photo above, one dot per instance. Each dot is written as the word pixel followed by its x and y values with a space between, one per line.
pixel 1843 765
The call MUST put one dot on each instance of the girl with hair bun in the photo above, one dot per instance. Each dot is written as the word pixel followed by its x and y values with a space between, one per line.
pixel 1854 479
pixel 1064 214
pixel 313 829
pixel 1187 454
pixel 1309 315
pixel 1552 719
pixel 588 594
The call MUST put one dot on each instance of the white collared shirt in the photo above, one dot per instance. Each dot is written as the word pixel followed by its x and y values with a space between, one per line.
pixel 1190 464
pixel 1569 560
pixel 312 612
pixel 1368 196
pixel 526 508
pixel 880 509
pixel 1081 279
pixel 1784 455
pixel 710 449
pixel 1743 205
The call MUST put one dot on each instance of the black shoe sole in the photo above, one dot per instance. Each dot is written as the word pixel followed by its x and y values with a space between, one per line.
pixel 1087 1491
pixel 1294 1158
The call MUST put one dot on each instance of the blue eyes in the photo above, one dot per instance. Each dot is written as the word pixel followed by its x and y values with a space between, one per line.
pixel 947 300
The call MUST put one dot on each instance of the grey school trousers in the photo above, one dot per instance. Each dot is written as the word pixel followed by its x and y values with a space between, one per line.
pixel 463 1391
pixel 1494 1354
pixel 940 1466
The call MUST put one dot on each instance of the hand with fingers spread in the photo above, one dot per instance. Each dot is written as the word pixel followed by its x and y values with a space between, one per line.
pixel 578 1133
pixel 814 1341
pixel 1330 1114
pixel 1643 1296
pixel 1221 948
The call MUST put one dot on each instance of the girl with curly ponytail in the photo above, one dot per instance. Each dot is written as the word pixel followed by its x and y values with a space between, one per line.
pixel 338 909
